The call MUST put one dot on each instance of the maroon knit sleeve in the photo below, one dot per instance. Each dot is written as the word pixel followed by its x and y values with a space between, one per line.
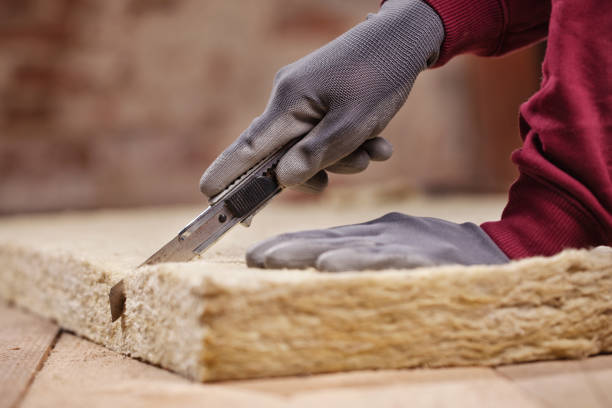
pixel 490 27
pixel 563 197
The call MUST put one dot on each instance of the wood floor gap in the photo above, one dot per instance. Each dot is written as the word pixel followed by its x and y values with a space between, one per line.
pixel 39 368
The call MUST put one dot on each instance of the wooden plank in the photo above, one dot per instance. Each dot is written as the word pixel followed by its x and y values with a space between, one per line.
pixel 561 384
pixel 457 387
pixel 79 373
pixel 25 341
pixel 598 370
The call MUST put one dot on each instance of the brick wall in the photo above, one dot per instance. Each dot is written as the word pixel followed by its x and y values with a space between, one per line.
pixel 125 102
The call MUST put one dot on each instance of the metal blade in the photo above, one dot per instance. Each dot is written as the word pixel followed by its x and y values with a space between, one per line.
pixel 116 298
pixel 196 237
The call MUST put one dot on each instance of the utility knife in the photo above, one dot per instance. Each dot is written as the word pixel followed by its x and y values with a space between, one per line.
pixel 238 203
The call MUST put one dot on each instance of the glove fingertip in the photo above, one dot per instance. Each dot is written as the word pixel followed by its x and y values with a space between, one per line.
pixel 254 260
pixel 255 256
pixel 355 162
pixel 379 149
pixel 207 187
pixel 291 170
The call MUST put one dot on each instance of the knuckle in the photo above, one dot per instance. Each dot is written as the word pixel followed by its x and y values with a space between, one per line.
pixel 395 216
pixel 307 150
pixel 298 165
pixel 247 138
pixel 283 88
pixel 281 73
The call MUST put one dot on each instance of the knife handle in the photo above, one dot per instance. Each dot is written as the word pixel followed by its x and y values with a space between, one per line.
pixel 261 176
pixel 250 196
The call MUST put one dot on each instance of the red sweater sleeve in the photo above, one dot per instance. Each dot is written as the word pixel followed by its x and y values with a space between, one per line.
pixel 490 27
pixel 563 197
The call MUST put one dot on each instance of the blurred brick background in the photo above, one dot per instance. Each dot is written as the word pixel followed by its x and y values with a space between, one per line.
pixel 125 102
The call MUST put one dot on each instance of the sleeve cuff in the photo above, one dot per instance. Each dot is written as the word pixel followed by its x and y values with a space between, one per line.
pixel 541 221
pixel 474 26
pixel 469 27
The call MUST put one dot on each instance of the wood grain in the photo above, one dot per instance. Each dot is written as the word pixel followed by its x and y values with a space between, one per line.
pixel 456 387
pixel 598 370
pixel 562 384
pixel 80 373
pixel 25 341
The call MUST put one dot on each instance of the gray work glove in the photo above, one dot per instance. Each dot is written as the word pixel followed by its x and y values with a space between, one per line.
pixel 393 241
pixel 337 99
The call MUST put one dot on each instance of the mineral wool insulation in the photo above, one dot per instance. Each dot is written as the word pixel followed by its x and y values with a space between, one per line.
pixel 214 319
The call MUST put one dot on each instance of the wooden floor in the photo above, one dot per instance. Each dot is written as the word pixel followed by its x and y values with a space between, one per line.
pixel 43 366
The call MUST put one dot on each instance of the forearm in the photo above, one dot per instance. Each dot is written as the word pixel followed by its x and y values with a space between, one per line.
pixel 564 195
pixel 490 27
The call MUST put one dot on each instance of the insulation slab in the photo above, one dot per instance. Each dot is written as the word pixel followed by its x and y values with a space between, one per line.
pixel 215 319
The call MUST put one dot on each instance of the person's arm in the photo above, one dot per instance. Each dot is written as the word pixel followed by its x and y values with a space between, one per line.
pixel 563 197
pixel 490 27
pixel 337 100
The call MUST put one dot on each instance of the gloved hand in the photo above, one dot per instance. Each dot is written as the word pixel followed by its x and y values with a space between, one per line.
pixel 338 99
pixel 393 241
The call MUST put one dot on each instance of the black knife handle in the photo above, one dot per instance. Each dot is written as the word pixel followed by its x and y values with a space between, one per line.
pixel 252 195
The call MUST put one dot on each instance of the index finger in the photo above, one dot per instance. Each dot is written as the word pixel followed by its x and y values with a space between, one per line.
pixel 263 137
